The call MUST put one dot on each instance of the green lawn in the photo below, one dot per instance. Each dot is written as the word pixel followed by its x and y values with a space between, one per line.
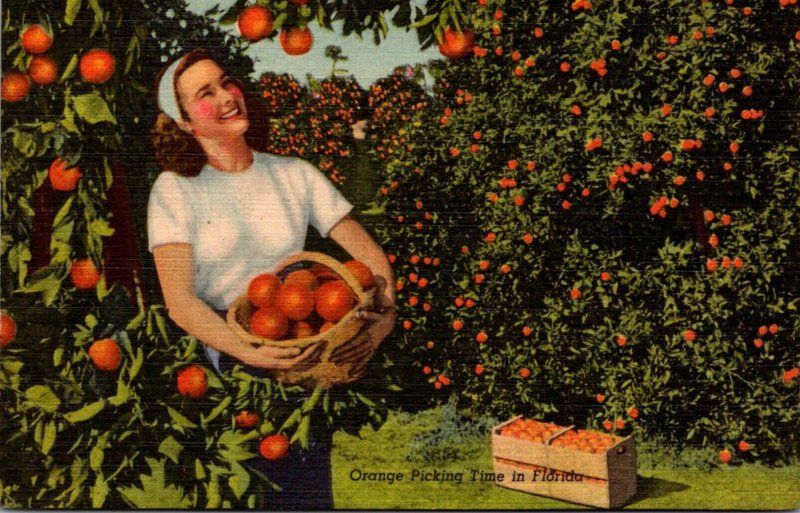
pixel 737 487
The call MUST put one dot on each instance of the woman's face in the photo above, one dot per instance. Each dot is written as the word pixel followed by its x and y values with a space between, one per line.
pixel 214 103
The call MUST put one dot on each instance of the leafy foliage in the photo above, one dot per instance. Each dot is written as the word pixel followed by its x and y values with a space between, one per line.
pixel 81 437
pixel 588 229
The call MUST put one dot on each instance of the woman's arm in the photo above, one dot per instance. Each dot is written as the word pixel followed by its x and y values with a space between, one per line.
pixel 175 265
pixel 351 236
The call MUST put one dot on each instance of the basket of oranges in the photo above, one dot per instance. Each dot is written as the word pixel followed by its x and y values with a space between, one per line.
pixel 310 298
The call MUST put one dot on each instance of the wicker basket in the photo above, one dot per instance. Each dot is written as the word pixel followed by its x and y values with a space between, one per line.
pixel 325 372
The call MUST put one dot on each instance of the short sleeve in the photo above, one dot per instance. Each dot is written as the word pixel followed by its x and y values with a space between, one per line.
pixel 327 204
pixel 169 214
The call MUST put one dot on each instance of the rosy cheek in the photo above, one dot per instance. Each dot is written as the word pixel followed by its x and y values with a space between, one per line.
pixel 205 109
pixel 236 93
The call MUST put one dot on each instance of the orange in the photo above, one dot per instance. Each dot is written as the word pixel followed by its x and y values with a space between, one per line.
pixel 326 326
pixel 15 86
pixel 97 66
pixel 105 354
pixel 296 41
pixel 725 456
pixel 455 45
pixel 274 447
pixel 324 273
pixel 295 302
pixel 302 278
pixel 263 289
pixel 269 322
pixel 247 419
pixel 36 39
pixel 302 329
pixel 192 381
pixel 43 70
pixel 63 178
pixel 84 274
pixel 361 272
pixel 524 373
pixel 333 300
pixel 8 330
pixel 255 23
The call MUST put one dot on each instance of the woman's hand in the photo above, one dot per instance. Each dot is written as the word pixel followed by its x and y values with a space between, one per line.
pixel 281 358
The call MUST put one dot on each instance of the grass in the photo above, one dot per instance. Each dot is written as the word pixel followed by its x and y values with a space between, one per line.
pixel 748 486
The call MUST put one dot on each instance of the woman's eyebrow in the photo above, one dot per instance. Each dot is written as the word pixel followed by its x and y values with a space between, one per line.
pixel 222 78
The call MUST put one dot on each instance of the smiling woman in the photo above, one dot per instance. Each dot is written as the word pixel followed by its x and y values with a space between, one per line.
pixel 176 148
pixel 223 212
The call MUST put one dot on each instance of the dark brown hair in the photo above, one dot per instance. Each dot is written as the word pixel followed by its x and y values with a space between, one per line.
pixel 178 151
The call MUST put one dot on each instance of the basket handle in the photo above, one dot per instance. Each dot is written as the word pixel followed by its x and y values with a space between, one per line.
pixel 333 264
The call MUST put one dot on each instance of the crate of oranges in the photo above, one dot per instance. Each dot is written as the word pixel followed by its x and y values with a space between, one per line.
pixel 563 462
pixel 310 298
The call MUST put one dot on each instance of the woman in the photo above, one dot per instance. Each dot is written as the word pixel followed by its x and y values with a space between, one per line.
pixel 222 212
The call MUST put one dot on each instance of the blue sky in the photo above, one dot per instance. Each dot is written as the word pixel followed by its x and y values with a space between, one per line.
pixel 367 62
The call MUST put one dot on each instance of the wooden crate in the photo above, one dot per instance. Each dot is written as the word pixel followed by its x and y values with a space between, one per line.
pixel 604 480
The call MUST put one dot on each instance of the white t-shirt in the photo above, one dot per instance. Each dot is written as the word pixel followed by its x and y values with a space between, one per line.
pixel 241 224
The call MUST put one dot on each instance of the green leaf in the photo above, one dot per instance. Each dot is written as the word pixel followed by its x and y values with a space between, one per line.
pixel 49 437
pixel 99 492
pixel 85 413
pixel 231 446
pixel 64 211
pixel 212 492
pixel 48 285
pixel 70 69
pixel 25 142
pixel 43 397
pixel 301 435
pixel 155 493
pixel 216 411
pixel 122 395
pixel 18 258
pixel 96 457
pixel 58 355
pixel 92 108
pixel 424 21
pixel 199 471
pixel 239 480
pixel 179 421
pixel 171 448
pixel 69 120
pixel 73 6
pixel 292 420
pixel 311 402
pixel 137 364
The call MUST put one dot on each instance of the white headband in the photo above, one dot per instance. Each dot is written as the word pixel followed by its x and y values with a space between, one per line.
pixel 167 100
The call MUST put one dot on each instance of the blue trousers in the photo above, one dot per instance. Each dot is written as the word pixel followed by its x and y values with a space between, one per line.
pixel 304 475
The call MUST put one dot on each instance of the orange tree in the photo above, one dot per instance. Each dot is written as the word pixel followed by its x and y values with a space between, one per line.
pixel 596 220
pixel 393 101
pixel 105 403
pixel 314 123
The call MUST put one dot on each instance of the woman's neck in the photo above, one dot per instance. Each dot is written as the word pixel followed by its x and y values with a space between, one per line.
pixel 229 156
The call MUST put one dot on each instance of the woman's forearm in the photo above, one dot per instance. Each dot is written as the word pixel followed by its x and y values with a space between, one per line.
pixel 195 317
pixel 349 234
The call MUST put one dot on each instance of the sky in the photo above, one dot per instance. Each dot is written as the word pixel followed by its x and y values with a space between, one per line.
pixel 366 61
